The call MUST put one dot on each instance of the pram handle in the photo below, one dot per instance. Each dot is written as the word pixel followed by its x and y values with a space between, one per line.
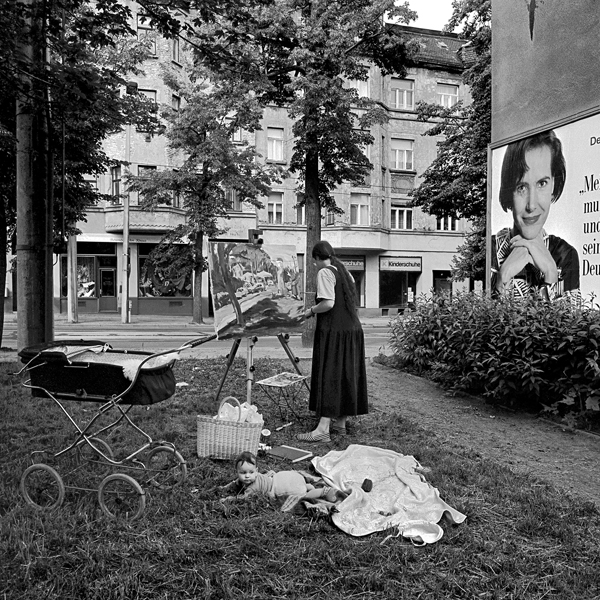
pixel 198 341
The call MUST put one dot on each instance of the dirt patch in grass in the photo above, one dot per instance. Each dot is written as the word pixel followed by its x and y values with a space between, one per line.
pixel 564 457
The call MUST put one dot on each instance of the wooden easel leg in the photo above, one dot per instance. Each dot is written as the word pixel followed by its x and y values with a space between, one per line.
pixel 283 340
pixel 230 359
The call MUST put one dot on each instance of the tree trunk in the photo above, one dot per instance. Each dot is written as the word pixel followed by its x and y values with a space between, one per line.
pixel 313 235
pixel 32 194
pixel 197 316
pixel 3 263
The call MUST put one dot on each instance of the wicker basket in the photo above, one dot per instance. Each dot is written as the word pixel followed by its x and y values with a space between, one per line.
pixel 226 439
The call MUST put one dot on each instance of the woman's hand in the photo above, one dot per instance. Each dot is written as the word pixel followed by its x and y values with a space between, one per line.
pixel 309 313
pixel 513 264
pixel 539 256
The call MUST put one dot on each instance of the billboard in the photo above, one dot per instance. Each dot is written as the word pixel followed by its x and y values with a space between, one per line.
pixel 544 213
pixel 545 64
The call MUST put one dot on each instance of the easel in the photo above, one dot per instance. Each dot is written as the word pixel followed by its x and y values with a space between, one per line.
pixel 250 342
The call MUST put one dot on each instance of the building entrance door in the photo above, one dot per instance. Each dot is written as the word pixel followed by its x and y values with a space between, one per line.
pixel 107 293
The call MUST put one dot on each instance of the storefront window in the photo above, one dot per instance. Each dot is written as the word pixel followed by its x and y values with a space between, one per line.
pixel 397 288
pixel 165 271
pixel 86 277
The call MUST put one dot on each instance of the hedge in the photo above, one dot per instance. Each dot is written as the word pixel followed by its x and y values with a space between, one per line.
pixel 525 354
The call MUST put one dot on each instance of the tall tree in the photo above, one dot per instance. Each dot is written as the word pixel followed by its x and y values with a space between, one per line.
pixel 455 184
pixel 300 55
pixel 214 168
pixel 77 102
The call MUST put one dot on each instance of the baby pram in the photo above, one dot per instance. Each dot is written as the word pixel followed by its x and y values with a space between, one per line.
pixel 116 380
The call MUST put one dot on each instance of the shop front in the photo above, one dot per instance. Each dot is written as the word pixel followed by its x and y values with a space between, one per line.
pixel 356 266
pixel 398 276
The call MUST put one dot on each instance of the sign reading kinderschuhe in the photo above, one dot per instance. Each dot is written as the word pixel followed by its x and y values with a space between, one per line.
pixel 400 263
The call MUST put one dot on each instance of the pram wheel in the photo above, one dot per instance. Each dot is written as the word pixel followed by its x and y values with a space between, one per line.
pixel 121 497
pixel 94 453
pixel 42 487
pixel 166 467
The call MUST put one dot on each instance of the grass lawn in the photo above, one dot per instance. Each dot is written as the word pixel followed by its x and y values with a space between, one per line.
pixel 522 539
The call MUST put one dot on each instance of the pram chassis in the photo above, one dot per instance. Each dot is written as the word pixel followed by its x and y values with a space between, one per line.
pixel 157 464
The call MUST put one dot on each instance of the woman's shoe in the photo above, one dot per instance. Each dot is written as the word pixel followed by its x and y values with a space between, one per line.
pixel 312 436
pixel 338 430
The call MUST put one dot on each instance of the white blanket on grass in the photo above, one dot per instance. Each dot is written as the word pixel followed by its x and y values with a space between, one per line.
pixel 400 498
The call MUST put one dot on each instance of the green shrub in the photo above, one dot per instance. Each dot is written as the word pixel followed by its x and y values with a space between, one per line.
pixel 520 353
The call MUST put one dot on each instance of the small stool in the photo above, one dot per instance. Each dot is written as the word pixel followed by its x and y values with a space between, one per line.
pixel 284 387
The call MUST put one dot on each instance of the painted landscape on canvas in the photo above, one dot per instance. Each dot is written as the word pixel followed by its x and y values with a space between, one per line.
pixel 256 289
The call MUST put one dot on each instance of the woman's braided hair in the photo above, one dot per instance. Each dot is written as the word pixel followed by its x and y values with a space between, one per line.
pixel 323 250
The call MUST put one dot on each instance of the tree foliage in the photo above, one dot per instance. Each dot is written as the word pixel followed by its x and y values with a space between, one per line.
pixel 212 167
pixel 82 55
pixel 301 56
pixel 455 183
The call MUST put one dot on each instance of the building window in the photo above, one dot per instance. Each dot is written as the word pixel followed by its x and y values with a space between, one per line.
pixel 446 224
pixel 401 154
pixel 362 87
pixel 274 143
pixel 447 95
pixel 300 215
pixel 402 94
pixel 234 201
pixel 236 136
pixel 150 94
pixel 115 184
pixel 359 209
pixel 145 33
pixel 145 171
pixel 175 49
pixel 330 218
pixel 175 102
pixel 275 208
pixel 401 218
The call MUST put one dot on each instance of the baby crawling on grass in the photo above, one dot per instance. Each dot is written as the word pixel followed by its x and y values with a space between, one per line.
pixel 276 485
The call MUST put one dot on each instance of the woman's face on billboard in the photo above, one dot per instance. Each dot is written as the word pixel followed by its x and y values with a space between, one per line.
pixel 533 193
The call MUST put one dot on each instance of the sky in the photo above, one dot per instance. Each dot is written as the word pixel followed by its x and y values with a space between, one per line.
pixel 433 14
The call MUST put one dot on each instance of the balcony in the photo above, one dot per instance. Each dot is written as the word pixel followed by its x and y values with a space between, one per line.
pixel 159 220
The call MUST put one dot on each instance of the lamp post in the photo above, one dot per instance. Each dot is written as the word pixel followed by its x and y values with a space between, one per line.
pixel 125 267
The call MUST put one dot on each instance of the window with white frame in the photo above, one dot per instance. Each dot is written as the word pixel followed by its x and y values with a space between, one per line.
pixel 330 218
pixel 115 183
pixel 275 208
pixel 300 211
pixel 402 92
pixel 447 95
pixel 401 154
pixel 359 209
pixel 234 200
pixel 175 49
pixel 401 218
pixel 236 136
pixel 175 102
pixel 275 143
pixel 446 223
pixel 362 87
pixel 150 94
pixel 145 32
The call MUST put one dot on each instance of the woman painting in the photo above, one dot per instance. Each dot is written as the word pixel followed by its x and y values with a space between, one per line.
pixel 338 382
pixel 525 259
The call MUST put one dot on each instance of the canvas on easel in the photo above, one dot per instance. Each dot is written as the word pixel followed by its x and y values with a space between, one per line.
pixel 256 289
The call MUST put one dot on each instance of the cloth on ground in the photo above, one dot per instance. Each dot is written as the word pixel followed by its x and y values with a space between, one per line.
pixel 400 497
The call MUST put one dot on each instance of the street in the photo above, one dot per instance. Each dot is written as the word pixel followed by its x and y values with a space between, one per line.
pixel 157 334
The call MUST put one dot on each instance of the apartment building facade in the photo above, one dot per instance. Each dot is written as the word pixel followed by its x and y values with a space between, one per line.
pixel 394 251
